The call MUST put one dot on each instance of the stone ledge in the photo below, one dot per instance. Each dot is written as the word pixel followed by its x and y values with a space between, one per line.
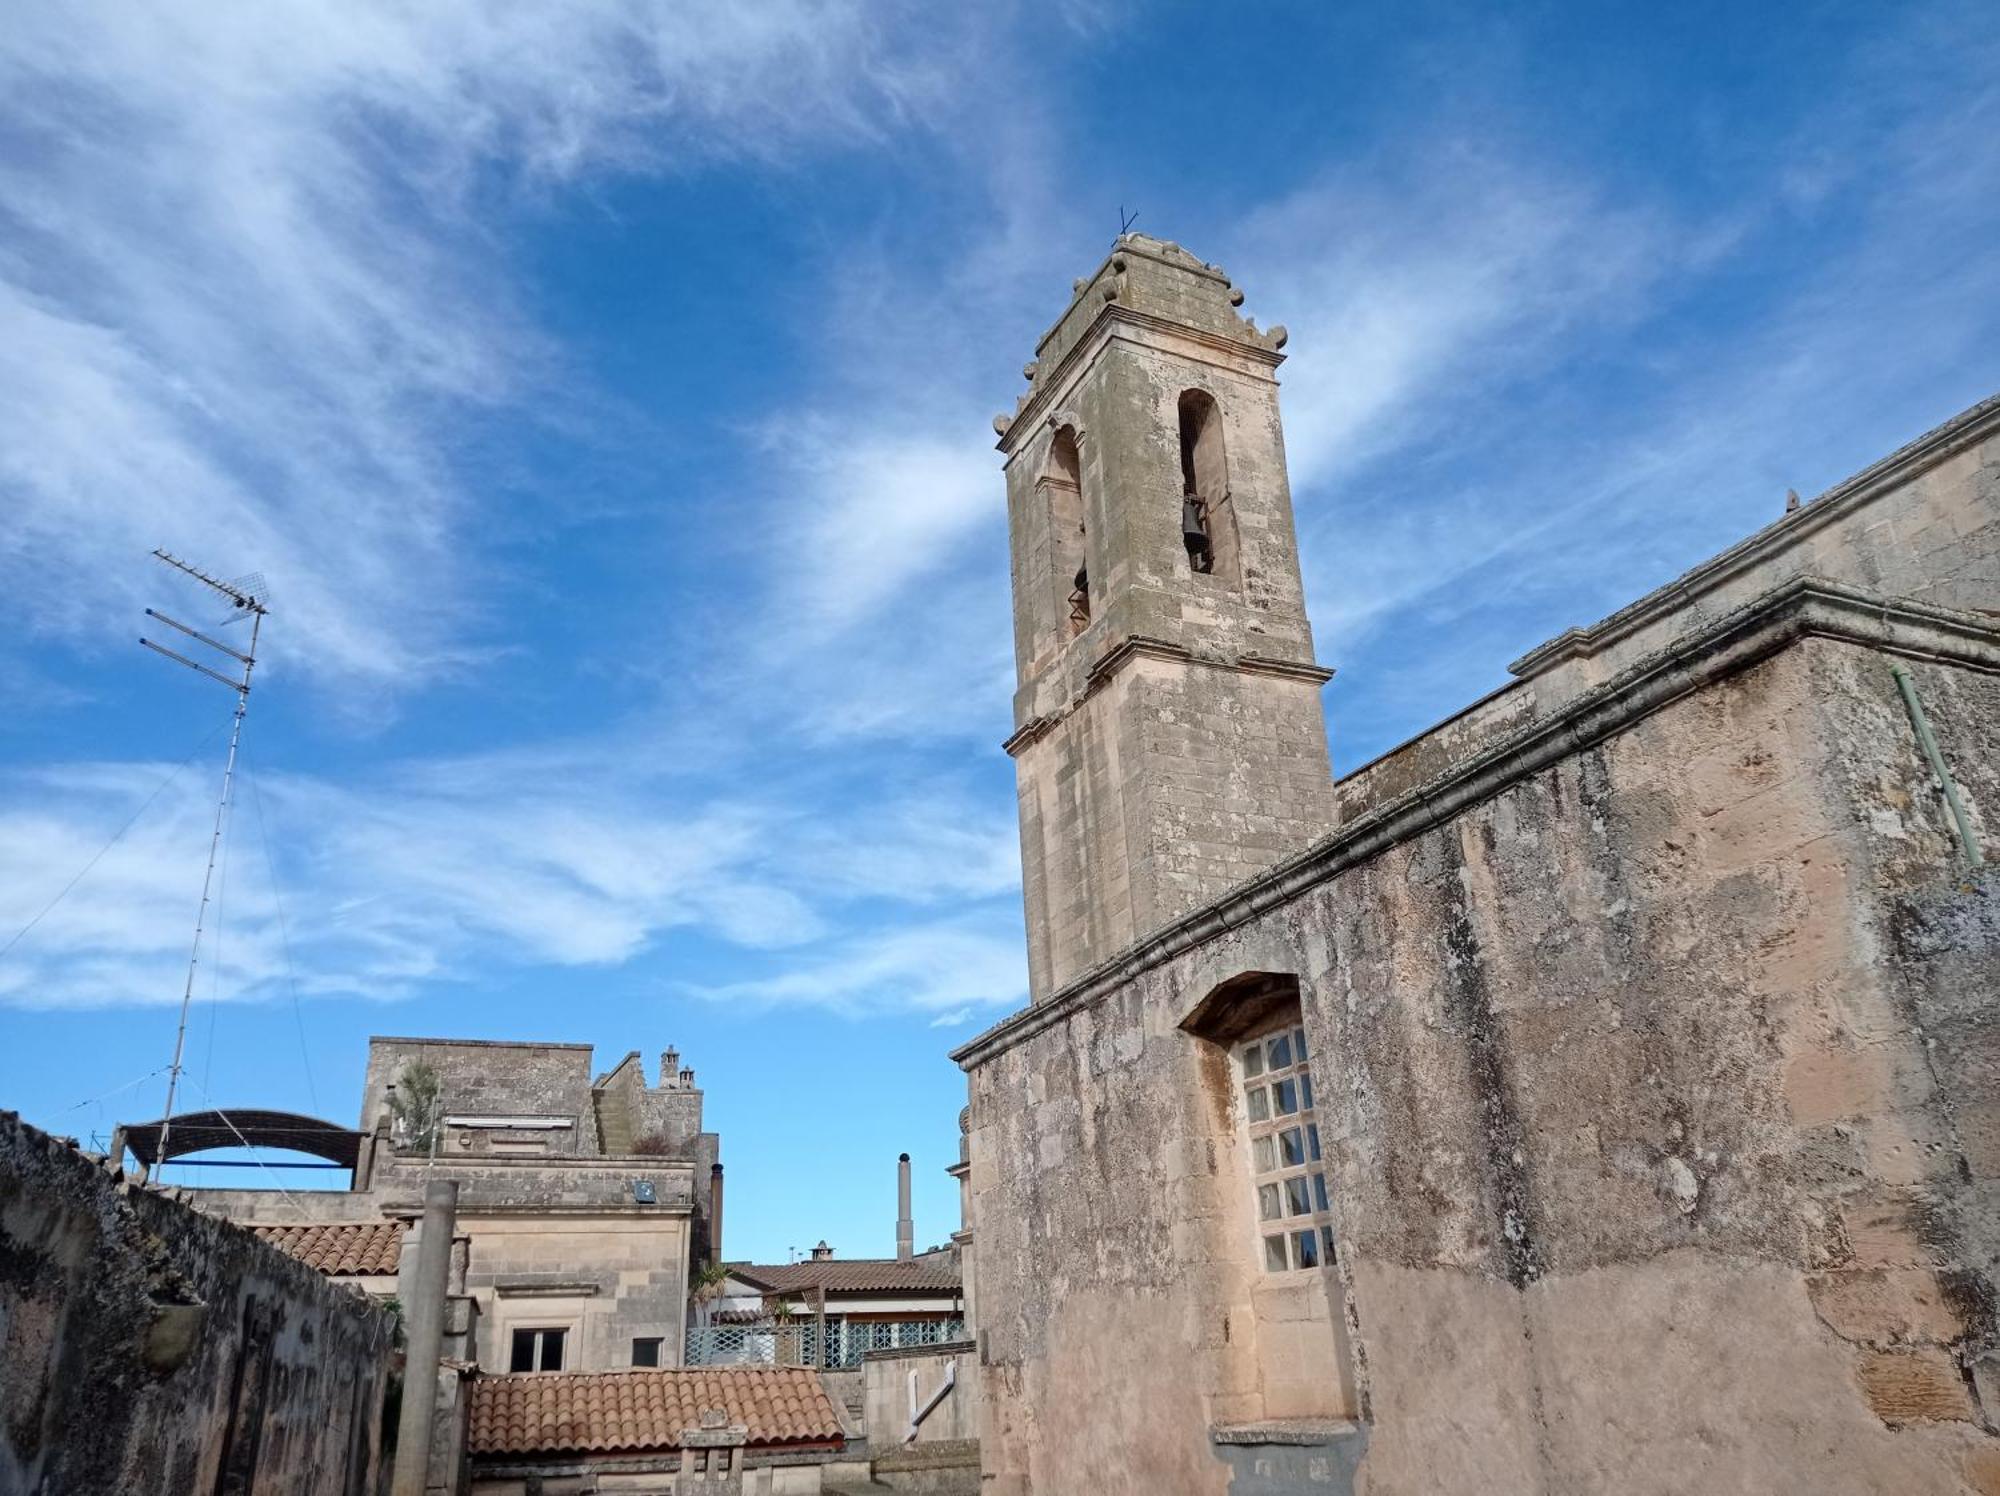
pixel 1143 646
pixel 1938 444
pixel 1803 607
pixel 1310 1432
pixel 945 1454
pixel 904 1352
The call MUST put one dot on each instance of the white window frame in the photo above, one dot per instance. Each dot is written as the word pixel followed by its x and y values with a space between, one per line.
pixel 567 1331
pixel 1288 1187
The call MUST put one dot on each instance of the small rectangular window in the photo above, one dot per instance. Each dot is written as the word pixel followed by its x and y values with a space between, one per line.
pixel 1307 1245
pixel 1312 1139
pixel 1253 1062
pixel 1285 1097
pixel 1299 1043
pixel 1298 1199
pixel 1263 1154
pixel 1274 1254
pixel 537 1350
pixel 1267 1202
pixel 1260 1107
pixel 1319 1192
pixel 646 1352
pixel 1281 1052
pixel 1291 1148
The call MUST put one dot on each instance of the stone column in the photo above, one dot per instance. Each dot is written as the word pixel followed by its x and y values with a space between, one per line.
pixel 423 1323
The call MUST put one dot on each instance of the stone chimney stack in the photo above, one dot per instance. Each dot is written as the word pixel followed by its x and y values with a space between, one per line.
pixel 821 1252
pixel 905 1233
pixel 670 1061
pixel 715 1213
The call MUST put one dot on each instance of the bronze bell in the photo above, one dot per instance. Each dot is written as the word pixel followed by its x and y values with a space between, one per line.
pixel 1194 534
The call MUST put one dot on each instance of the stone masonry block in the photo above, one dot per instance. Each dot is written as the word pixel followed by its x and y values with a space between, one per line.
pixel 1914 1386
pixel 1884 1306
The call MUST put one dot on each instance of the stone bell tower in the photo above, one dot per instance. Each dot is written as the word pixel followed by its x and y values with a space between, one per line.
pixel 1168 736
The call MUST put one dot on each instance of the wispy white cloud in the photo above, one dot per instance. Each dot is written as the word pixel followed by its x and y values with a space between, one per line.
pixel 1492 411
pixel 949 966
pixel 249 294
pixel 404 879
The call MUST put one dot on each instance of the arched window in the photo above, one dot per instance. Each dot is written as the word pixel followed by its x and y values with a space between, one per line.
pixel 1062 481
pixel 1208 518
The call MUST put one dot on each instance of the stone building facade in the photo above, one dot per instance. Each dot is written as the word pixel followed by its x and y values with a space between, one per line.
pixel 585 1202
pixel 1600 1092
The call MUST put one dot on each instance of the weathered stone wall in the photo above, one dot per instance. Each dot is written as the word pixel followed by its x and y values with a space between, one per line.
pixel 1659 1089
pixel 1166 786
pixel 153 1348
pixel 493 1078
pixel 885 1408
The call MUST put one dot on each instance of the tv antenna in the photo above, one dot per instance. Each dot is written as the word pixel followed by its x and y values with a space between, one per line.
pixel 247 598
pixel 1125 221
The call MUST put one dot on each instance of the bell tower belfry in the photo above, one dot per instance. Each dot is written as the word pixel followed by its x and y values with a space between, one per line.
pixel 1168 741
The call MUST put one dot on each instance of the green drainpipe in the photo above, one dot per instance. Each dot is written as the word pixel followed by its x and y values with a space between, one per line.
pixel 1968 840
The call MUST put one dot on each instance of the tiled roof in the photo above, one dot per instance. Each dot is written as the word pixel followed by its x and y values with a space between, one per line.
pixel 361 1248
pixel 929 1274
pixel 603 1411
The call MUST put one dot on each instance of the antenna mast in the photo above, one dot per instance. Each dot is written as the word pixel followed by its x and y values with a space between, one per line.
pixel 247 597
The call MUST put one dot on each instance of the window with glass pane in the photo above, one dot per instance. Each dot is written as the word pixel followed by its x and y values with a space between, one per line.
pixel 537 1350
pixel 1290 1180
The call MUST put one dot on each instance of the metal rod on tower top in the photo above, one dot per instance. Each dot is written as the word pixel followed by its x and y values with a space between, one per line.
pixel 246 601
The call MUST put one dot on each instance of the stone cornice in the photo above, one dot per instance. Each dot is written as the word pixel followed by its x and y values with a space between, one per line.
pixel 1963 430
pixel 1804 607
pixel 1140 646
pixel 1102 329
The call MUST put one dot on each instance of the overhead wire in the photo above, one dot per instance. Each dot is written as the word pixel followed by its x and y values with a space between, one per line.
pixel 284 932
pixel 250 1147
pixel 117 837
pixel 215 964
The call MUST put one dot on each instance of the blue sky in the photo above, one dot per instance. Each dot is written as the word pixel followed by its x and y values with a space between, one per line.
pixel 604 390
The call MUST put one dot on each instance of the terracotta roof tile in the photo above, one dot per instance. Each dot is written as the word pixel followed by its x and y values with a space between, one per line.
pixel 601 1411
pixel 855 1275
pixel 359 1248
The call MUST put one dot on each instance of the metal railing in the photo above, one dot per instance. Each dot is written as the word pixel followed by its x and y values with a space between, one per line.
pixel 798 1344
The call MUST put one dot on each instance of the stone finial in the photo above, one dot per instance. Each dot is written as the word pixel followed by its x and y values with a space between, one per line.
pixel 1279 336
pixel 1236 296
pixel 1792 500
pixel 1001 423
pixel 1076 286
pixel 1028 369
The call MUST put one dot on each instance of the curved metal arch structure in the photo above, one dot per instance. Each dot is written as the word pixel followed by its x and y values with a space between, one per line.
pixel 202 1132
